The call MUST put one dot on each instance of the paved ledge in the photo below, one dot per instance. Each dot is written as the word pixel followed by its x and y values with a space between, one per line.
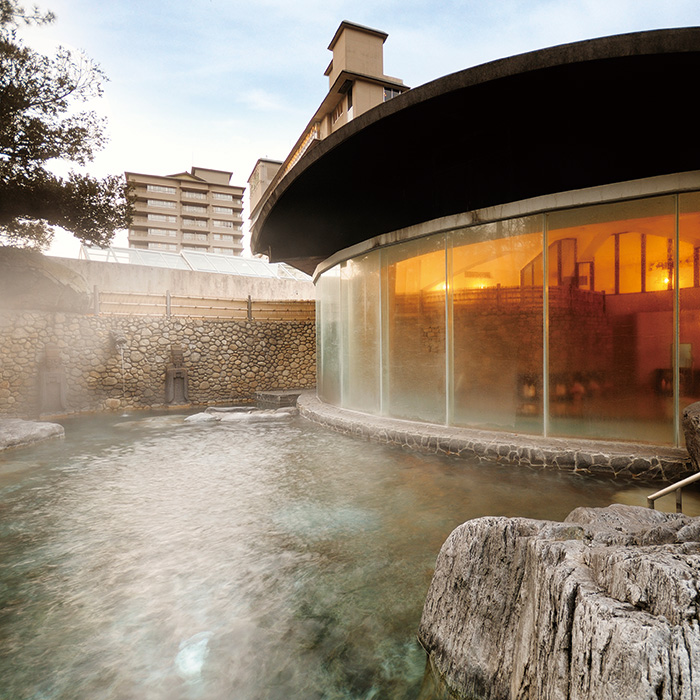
pixel 599 458
pixel 277 399
pixel 20 433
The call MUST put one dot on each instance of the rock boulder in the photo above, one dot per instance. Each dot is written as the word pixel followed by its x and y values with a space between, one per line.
pixel 20 433
pixel 603 605
pixel 691 430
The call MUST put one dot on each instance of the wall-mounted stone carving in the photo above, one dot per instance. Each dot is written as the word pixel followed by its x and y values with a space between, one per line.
pixel 176 390
pixel 52 381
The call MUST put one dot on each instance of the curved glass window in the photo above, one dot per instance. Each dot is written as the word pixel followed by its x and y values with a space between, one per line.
pixel 459 327
pixel 689 299
pixel 610 313
pixel 328 340
pixel 360 295
pixel 496 295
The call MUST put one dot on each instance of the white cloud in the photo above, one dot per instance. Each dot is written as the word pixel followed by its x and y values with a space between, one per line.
pixel 262 100
pixel 219 83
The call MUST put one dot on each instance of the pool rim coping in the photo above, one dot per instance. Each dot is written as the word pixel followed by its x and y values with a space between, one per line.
pixel 613 459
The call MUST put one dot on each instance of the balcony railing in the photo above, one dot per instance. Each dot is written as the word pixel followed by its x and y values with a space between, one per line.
pixel 312 134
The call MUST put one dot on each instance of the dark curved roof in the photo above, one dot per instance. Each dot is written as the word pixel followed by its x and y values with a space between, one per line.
pixel 573 116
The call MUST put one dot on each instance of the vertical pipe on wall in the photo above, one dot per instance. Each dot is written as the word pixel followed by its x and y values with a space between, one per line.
pixel 545 329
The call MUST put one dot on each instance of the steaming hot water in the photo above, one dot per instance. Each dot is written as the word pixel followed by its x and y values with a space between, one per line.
pixel 146 557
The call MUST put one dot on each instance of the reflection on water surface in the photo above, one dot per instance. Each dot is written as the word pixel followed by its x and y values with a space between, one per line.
pixel 144 557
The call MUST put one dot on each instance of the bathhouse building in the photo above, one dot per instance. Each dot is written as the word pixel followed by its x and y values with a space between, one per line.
pixel 356 84
pixel 513 247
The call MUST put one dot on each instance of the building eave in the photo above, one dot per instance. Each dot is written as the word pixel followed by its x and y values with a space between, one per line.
pixel 486 135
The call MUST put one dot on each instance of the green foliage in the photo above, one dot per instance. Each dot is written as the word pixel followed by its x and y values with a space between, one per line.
pixel 38 124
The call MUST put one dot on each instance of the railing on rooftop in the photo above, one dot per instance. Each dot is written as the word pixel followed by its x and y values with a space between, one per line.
pixel 195 261
pixel 312 134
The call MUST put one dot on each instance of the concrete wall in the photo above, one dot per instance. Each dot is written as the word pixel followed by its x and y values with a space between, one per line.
pixel 114 277
pixel 227 361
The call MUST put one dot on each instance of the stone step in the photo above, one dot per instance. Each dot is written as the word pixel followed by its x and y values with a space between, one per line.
pixel 277 399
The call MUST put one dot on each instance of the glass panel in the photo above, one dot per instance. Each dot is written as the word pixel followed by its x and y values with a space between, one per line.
pixel 611 320
pixel 328 336
pixel 689 278
pixel 415 330
pixel 497 321
pixel 360 285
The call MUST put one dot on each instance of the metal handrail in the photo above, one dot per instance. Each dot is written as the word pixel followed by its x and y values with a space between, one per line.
pixel 678 488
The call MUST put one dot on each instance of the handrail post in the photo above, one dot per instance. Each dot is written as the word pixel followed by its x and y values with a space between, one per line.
pixel 674 488
pixel 250 308
pixel 95 300
pixel 168 303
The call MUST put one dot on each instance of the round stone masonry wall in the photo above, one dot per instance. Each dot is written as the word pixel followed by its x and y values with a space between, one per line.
pixel 226 361
pixel 614 459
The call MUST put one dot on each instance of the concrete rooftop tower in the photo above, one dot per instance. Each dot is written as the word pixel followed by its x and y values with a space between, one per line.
pixel 357 84
pixel 358 50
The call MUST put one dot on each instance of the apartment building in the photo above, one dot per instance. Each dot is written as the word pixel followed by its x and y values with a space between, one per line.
pixel 197 210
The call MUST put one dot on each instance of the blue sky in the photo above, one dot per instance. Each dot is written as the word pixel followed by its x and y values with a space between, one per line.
pixel 220 83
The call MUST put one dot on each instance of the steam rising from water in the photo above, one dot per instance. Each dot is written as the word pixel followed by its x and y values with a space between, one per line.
pixel 171 560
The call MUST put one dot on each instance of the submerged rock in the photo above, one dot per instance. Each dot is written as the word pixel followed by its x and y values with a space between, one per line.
pixel 241 414
pixel 603 605
pixel 20 433
pixel 202 418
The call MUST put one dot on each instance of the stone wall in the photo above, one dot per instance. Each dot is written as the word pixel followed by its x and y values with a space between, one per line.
pixel 226 361
pixel 620 460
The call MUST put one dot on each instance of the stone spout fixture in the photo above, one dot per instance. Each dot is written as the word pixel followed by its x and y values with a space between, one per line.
pixel 176 389
pixel 604 606
pixel 119 340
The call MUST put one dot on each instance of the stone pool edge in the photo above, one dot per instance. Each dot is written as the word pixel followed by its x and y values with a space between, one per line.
pixel 15 432
pixel 635 461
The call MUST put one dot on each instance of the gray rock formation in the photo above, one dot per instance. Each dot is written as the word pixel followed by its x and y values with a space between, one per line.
pixel 691 430
pixel 20 433
pixel 603 605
